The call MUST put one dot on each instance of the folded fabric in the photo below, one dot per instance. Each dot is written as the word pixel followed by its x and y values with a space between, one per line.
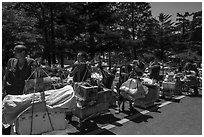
pixel 13 105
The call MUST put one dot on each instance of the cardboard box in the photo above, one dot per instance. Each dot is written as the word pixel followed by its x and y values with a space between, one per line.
pixel 84 112
pixel 87 92
pixel 90 111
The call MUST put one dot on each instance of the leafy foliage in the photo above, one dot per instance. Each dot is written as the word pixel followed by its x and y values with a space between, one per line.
pixel 57 30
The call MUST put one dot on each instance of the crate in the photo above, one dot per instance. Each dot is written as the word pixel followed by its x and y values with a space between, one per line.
pixel 168 89
pixel 84 112
pixel 168 85
pixel 168 93
pixel 89 111
pixel 86 92
pixel 40 123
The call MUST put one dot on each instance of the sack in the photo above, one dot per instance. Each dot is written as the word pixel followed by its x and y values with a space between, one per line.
pixel 133 88
pixel 41 84
pixel 107 79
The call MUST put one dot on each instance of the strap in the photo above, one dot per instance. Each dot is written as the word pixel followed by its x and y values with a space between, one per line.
pixel 43 94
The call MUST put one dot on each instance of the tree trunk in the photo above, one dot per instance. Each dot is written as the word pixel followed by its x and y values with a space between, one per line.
pixel 133 32
pixel 52 35
pixel 109 60
pixel 46 48
pixel 62 60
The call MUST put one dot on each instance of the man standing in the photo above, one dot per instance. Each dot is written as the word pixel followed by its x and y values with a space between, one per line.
pixel 18 70
pixel 154 70
pixel 80 71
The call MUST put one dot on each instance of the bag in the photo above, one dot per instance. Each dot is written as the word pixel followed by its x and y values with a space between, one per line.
pixel 107 79
pixel 41 84
pixel 133 88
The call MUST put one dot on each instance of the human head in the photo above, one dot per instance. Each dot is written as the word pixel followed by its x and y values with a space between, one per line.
pixel 135 63
pixel 81 56
pixel 20 51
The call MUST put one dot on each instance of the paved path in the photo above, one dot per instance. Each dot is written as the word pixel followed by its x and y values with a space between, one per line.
pixel 182 116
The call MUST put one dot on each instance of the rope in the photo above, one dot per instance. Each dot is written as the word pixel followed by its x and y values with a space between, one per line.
pixel 34 99
pixel 33 103
pixel 85 73
pixel 47 111
pixel 48 76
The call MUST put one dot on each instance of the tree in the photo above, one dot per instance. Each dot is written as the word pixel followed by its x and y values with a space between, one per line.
pixel 164 33
pixel 17 26
pixel 132 22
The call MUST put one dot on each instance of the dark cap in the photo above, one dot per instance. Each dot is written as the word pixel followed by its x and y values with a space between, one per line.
pixel 20 48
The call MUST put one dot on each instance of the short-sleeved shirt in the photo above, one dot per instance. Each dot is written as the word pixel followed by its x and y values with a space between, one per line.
pixel 16 77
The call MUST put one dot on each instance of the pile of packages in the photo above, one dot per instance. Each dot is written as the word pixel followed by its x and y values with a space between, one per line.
pixel 91 99
pixel 142 91
pixel 191 80
pixel 14 105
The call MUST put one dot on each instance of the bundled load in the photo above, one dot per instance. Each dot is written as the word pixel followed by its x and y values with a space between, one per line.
pixel 191 80
pixel 133 89
pixel 169 84
pixel 143 93
pixel 39 108
pixel 37 85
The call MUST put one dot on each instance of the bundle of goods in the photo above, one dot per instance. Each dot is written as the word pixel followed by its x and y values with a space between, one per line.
pixel 191 80
pixel 151 96
pixel 86 94
pixel 40 112
pixel 38 84
pixel 91 102
pixel 57 82
pixel 178 84
pixel 168 85
pixel 168 88
pixel 170 77
pixel 133 89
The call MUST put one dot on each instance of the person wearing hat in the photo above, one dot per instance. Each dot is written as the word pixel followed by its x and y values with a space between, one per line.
pixel 18 70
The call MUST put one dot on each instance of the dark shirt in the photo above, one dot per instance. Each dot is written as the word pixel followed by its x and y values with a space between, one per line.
pixel 15 79
pixel 83 73
pixel 155 69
